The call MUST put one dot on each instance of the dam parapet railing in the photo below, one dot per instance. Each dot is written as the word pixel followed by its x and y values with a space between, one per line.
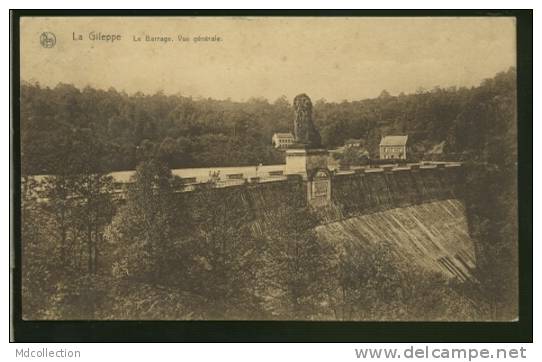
pixel 236 180
pixel 272 175
pixel 424 165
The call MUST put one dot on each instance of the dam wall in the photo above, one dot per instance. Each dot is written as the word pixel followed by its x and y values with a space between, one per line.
pixel 382 189
pixel 433 235
pixel 418 210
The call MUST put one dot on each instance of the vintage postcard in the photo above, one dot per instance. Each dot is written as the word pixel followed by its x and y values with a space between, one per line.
pixel 293 168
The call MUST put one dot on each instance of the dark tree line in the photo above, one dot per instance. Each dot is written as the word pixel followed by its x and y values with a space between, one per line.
pixel 188 132
pixel 206 132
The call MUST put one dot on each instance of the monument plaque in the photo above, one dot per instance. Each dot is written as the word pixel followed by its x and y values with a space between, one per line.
pixel 319 186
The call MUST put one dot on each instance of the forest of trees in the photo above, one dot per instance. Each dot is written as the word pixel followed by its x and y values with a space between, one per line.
pixel 91 257
pixel 206 132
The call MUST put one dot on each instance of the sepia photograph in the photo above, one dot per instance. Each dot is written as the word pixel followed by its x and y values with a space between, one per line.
pixel 268 168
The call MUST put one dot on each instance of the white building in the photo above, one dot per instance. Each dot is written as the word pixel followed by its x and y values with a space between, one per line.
pixel 353 143
pixel 282 140
pixel 393 147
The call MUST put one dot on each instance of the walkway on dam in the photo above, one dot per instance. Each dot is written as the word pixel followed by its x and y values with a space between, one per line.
pixel 234 176
pixel 231 176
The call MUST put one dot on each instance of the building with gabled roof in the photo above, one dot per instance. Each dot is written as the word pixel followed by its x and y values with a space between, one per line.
pixel 282 140
pixel 393 147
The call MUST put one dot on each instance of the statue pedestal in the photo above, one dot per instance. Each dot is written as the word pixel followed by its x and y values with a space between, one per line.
pixel 303 161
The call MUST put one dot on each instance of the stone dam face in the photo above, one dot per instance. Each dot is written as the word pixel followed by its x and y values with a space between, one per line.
pixel 432 234
pixel 419 211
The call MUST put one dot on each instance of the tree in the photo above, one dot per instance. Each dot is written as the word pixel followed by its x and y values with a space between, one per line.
pixel 79 199
pixel 224 256
pixel 146 228
pixel 384 94
pixel 377 284
pixel 40 256
pixel 169 152
pixel 353 156
pixel 295 266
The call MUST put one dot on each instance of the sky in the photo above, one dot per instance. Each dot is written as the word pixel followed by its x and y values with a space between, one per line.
pixel 327 58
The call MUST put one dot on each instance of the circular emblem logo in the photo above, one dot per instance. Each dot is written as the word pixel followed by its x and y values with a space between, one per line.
pixel 47 39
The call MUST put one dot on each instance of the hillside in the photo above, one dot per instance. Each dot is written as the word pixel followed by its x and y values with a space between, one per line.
pixel 205 132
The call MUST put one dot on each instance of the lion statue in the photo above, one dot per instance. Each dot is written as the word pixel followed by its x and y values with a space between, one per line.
pixel 305 132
